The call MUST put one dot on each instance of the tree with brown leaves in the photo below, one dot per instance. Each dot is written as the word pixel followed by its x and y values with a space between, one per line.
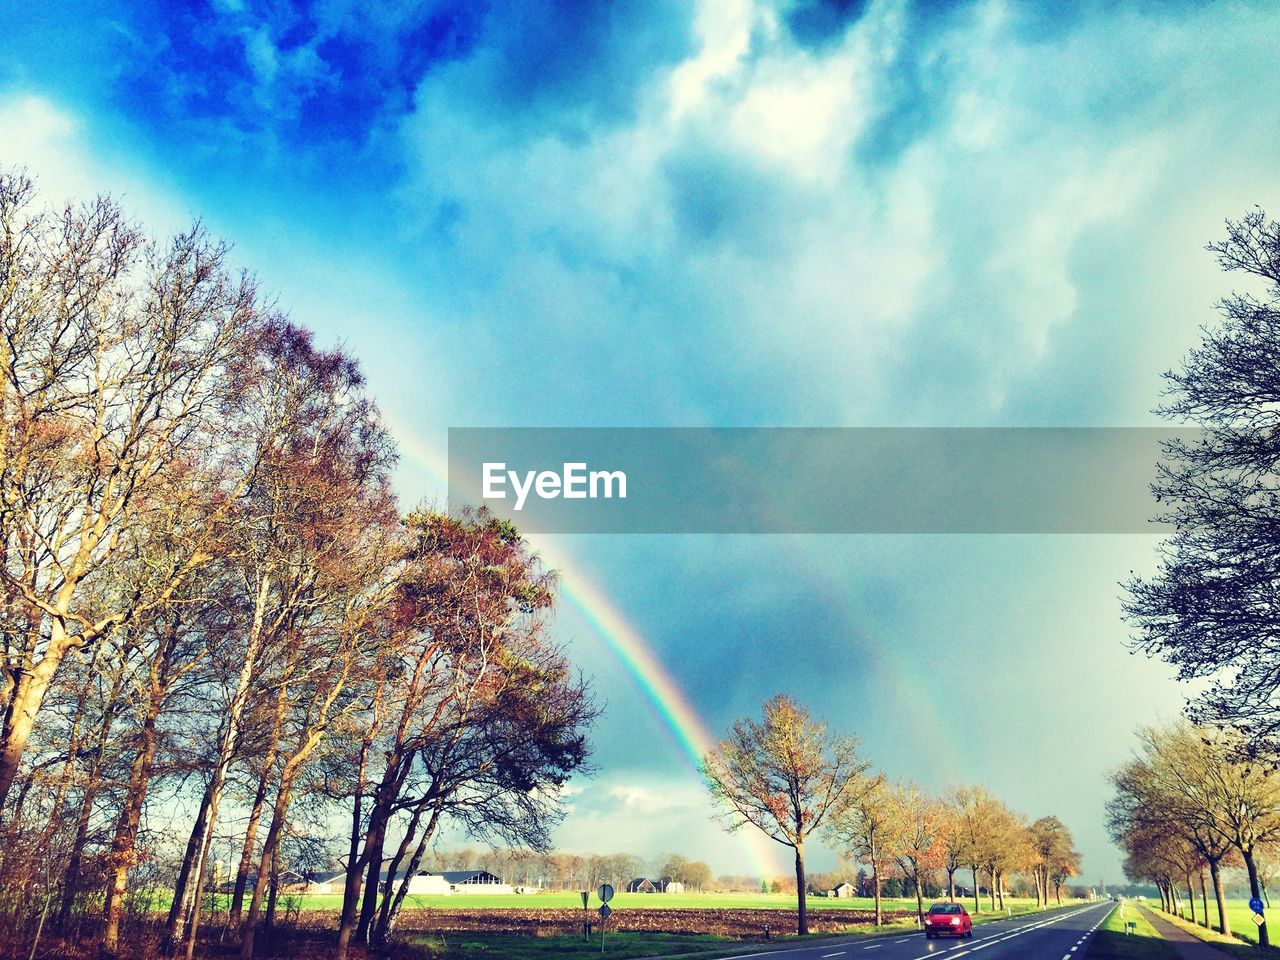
pixel 785 776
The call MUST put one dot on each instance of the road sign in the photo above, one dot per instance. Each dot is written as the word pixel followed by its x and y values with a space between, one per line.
pixel 1259 919
pixel 605 910
pixel 605 893
pixel 585 895
pixel 1255 905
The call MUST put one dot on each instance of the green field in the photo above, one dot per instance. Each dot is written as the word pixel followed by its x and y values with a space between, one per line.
pixel 1241 919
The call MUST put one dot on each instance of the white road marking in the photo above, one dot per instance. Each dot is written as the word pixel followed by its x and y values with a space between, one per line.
pixel 999 937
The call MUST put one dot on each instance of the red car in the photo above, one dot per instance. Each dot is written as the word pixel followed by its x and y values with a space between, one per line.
pixel 947 920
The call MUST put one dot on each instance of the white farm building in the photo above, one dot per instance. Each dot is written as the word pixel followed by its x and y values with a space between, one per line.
pixel 440 884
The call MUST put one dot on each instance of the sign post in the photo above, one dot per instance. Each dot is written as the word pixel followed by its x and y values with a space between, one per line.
pixel 605 893
pixel 586 917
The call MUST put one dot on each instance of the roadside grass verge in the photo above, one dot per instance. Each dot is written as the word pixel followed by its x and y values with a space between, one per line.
pixel 1111 942
pixel 619 946
pixel 1242 943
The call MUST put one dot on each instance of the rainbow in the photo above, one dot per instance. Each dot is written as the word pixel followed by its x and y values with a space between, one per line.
pixel 654 683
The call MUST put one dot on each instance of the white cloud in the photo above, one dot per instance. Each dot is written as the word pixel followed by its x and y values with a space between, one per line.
pixel 70 162
pixel 828 259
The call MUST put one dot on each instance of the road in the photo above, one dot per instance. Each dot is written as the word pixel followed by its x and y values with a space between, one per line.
pixel 1057 935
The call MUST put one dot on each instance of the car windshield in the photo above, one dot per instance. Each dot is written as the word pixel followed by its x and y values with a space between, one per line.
pixel 945 908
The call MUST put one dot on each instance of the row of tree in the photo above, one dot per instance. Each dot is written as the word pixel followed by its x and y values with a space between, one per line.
pixel 790 777
pixel 1188 804
pixel 215 618
pixel 1199 798
pixel 897 886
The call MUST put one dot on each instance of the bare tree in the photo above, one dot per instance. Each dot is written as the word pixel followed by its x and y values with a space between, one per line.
pixel 785 776
pixel 921 847
pixel 1210 607
pixel 868 828
pixel 119 362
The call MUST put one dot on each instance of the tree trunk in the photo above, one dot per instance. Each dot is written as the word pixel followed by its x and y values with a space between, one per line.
pixel 951 883
pixel 1219 895
pixel 313 733
pixel 273 891
pixel 387 922
pixel 269 847
pixel 178 904
pixel 1191 897
pixel 915 878
pixel 201 860
pixel 392 895
pixel 384 797
pixel 1204 901
pixel 875 883
pixel 246 852
pixel 802 915
pixel 71 878
pixel 991 872
pixel 25 700
pixel 999 880
pixel 977 901
pixel 1255 890
pixel 351 884
pixel 127 828
pixel 227 748
pixel 255 811
pixel 373 849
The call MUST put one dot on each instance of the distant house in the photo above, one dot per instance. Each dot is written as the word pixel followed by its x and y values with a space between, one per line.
pixel 474 881
pixel 655 885
pixel 842 889
pixel 289 882
pixel 329 881
pixel 421 884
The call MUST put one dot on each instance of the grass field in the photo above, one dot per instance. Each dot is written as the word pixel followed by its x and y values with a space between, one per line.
pixel 1111 942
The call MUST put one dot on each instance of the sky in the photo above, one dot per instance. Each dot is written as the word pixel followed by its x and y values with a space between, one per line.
pixel 728 213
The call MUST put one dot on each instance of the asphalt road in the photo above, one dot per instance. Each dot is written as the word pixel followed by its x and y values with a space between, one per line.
pixel 1057 935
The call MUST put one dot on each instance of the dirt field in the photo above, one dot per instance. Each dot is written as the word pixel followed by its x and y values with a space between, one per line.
pixel 736 923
